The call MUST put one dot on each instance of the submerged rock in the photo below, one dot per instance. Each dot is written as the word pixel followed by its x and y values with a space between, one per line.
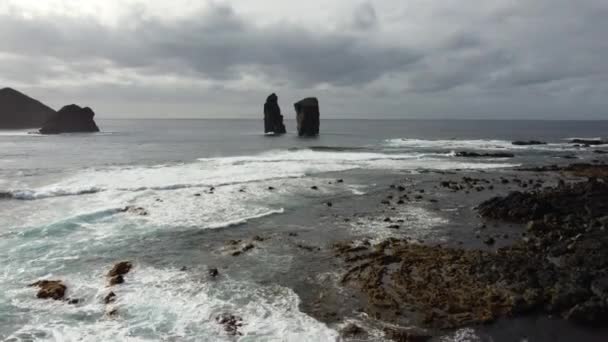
pixel 231 323
pixel 273 120
pixel 18 110
pixel 307 115
pixel 50 289
pixel 71 119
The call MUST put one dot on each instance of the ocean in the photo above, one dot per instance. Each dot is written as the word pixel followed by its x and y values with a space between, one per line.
pixel 202 183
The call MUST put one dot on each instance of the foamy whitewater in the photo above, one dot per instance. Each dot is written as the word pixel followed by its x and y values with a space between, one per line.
pixel 62 201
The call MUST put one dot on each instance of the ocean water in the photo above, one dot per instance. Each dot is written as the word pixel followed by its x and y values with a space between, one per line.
pixel 61 201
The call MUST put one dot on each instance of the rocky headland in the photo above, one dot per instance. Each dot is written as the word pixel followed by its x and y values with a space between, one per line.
pixel 71 119
pixel 18 110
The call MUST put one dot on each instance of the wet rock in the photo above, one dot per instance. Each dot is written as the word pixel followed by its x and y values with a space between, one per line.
pixel 135 210
pixel 231 323
pixel 407 334
pixel 213 272
pixel 314 187
pixel 71 119
pixel 329 204
pixel 529 142
pixel 307 116
pixel 50 289
pixel 273 120
pixel 73 301
pixel 352 330
pixel 117 280
pixel 340 181
pixel 109 298
pixel 484 155
pixel 120 268
pixel 489 241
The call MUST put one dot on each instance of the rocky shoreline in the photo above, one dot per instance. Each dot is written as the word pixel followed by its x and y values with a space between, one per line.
pixel 559 265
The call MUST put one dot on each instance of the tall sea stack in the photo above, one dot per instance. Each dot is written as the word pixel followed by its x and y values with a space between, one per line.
pixel 18 110
pixel 307 114
pixel 273 120
pixel 71 119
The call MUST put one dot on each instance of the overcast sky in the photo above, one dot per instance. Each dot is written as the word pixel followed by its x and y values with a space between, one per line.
pixel 536 59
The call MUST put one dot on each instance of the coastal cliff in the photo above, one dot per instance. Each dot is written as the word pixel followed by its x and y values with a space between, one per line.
pixel 18 110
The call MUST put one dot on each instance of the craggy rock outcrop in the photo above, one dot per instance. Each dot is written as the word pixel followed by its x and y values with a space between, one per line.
pixel 307 115
pixel 485 155
pixel 71 119
pixel 273 120
pixel 50 289
pixel 118 271
pixel 560 268
pixel 17 110
pixel 528 143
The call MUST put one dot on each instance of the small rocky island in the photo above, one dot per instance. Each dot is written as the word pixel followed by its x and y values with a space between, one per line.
pixel 18 111
pixel 307 114
pixel 273 120
pixel 71 119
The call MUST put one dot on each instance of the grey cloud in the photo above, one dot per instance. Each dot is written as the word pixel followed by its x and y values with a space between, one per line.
pixel 215 44
pixel 365 17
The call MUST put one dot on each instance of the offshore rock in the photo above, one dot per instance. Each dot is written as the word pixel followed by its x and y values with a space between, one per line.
pixel 307 115
pixel 18 110
pixel 71 119
pixel 50 289
pixel 273 120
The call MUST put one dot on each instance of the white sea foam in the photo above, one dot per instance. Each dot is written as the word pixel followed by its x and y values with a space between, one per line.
pixel 169 305
pixel 418 223
pixel 215 172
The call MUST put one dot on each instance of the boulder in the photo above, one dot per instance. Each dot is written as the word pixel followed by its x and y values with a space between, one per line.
pixel 18 110
pixel 307 115
pixel 71 119
pixel 273 120
pixel 50 289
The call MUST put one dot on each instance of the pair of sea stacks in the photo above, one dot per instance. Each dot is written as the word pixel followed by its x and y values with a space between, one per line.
pixel 307 115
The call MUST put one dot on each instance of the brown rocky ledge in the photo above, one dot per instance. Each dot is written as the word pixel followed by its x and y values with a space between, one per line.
pixel 560 268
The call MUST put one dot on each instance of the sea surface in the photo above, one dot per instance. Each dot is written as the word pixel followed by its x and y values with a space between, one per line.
pixel 202 182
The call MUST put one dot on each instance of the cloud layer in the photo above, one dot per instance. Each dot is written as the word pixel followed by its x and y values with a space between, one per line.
pixel 387 58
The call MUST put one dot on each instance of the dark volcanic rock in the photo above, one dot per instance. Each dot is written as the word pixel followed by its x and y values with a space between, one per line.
pixel 588 142
pixel 120 268
pixel 71 119
pixel 529 142
pixel 273 120
pixel 17 110
pixel 50 289
pixel 307 115
pixel 485 155
pixel 560 268
pixel 231 323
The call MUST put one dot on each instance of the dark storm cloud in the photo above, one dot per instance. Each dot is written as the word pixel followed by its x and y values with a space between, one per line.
pixel 216 44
